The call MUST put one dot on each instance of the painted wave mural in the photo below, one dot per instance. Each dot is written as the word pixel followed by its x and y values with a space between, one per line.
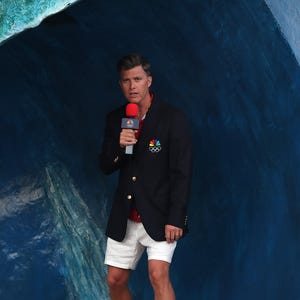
pixel 231 67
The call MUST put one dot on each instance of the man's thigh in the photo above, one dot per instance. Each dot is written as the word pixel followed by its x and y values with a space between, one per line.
pixel 125 254
pixel 157 250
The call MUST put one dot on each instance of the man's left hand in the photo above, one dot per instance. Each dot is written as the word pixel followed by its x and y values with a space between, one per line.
pixel 172 233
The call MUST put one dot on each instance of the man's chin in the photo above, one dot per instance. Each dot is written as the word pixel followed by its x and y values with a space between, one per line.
pixel 135 101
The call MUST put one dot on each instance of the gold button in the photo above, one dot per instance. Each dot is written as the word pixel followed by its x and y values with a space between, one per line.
pixel 129 197
pixel 133 179
pixel 185 220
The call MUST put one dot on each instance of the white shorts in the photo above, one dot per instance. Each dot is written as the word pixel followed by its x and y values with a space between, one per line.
pixel 126 254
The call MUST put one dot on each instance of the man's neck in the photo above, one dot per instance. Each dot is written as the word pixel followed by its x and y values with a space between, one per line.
pixel 143 108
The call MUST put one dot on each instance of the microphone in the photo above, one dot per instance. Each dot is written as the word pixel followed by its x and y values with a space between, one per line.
pixel 131 122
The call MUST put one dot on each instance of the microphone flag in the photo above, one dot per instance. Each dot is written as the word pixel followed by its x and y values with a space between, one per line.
pixel 131 122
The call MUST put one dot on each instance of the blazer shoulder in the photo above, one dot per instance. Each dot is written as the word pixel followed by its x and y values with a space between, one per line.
pixel 172 111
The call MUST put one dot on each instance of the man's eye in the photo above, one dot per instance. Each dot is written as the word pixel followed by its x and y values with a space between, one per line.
pixel 137 78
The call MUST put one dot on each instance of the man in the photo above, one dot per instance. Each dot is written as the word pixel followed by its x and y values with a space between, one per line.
pixel 150 204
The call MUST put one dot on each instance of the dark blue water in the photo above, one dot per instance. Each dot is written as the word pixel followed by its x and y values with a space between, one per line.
pixel 30 256
pixel 229 68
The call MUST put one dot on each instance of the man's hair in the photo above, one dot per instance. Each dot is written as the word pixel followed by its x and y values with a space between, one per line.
pixel 132 60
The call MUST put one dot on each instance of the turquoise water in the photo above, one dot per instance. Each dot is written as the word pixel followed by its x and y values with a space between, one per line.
pixel 17 15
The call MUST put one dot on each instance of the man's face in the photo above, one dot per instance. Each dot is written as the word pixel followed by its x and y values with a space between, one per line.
pixel 135 84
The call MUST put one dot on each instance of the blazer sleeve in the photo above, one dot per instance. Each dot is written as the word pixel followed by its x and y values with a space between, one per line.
pixel 112 154
pixel 180 163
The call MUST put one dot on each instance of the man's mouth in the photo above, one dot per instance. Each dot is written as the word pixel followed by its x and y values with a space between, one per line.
pixel 133 94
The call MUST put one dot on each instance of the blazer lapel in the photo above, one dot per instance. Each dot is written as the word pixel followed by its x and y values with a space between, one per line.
pixel 149 123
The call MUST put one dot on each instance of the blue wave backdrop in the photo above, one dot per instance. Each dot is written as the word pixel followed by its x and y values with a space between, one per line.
pixel 229 67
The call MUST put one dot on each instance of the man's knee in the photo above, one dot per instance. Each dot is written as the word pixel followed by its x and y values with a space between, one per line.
pixel 114 282
pixel 159 273
pixel 117 277
pixel 158 277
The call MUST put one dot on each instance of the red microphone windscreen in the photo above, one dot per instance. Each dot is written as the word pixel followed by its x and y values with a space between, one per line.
pixel 132 110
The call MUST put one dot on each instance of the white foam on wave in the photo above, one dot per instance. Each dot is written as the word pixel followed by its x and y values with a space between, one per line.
pixel 17 194
pixel 16 16
pixel 287 15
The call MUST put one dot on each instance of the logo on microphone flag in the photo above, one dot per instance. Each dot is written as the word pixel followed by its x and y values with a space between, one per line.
pixel 129 123
pixel 154 146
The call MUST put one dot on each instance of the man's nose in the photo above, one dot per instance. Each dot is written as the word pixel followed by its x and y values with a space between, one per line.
pixel 132 85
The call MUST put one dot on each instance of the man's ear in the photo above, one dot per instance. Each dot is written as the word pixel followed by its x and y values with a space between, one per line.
pixel 149 79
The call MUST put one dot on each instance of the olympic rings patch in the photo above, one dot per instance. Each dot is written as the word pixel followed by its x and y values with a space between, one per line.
pixel 154 146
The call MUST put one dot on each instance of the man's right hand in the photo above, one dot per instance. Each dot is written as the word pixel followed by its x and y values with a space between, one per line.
pixel 127 137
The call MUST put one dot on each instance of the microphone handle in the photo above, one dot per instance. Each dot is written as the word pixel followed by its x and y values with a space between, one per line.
pixel 129 149
pixel 130 123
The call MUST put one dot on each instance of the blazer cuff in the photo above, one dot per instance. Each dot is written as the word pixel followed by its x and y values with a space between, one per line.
pixel 177 219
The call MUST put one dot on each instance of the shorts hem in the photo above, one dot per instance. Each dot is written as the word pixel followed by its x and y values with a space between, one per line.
pixel 118 265
pixel 166 258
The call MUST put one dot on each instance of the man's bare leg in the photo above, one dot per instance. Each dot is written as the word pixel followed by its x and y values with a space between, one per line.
pixel 117 280
pixel 159 278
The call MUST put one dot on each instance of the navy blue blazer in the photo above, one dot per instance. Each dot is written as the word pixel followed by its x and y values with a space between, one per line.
pixel 157 175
